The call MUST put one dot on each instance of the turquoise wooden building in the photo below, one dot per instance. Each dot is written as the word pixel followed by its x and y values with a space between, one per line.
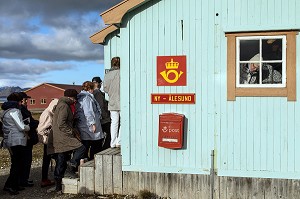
pixel 240 131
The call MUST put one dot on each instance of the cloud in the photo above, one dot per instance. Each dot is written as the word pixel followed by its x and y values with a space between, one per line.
pixel 43 41
pixel 51 30
pixel 17 68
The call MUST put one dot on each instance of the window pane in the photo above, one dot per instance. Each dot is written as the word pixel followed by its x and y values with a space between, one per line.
pixel 272 49
pixel 248 48
pixel 249 73
pixel 271 73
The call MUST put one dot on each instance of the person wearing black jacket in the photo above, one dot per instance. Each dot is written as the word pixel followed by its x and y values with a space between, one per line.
pixel 105 114
pixel 32 140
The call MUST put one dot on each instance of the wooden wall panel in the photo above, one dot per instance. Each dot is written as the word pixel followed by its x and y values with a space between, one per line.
pixel 155 29
pixel 262 130
pixel 252 136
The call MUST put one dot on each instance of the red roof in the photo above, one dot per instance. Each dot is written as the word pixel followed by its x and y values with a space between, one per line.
pixel 60 86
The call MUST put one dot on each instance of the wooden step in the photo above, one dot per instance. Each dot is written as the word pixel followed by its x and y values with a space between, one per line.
pixel 70 185
pixel 103 175
pixel 87 178
pixel 108 172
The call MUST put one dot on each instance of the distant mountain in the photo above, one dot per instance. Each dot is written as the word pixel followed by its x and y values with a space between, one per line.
pixel 7 90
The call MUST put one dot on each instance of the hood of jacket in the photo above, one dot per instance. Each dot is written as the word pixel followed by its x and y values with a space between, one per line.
pixel 51 106
pixel 83 94
pixel 10 104
pixel 65 100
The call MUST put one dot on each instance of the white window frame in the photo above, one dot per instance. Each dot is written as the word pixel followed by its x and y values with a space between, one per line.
pixel 32 101
pixel 43 101
pixel 283 61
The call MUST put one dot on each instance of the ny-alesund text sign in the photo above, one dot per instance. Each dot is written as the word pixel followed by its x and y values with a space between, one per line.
pixel 171 98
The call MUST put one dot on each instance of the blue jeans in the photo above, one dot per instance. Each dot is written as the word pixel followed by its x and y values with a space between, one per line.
pixel 62 158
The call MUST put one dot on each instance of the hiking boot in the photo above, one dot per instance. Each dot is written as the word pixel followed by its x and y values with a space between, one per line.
pixel 27 184
pixel 58 184
pixel 70 174
pixel 46 183
pixel 11 191
pixel 71 170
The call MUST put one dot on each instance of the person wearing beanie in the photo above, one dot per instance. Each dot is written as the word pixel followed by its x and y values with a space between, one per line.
pixel 111 86
pixel 105 114
pixel 88 114
pixel 62 139
pixel 73 94
pixel 97 80
pixel 32 139
pixel 14 97
pixel 14 139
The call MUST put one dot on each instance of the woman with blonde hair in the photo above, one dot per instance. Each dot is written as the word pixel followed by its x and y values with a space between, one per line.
pixel 88 115
pixel 44 129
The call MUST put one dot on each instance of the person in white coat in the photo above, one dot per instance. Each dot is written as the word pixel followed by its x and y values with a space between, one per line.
pixel 44 129
pixel 15 140
pixel 112 87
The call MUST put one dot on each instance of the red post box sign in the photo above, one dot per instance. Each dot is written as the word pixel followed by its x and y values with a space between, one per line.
pixel 171 126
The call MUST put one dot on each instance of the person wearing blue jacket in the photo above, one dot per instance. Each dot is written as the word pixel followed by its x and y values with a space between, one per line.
pixel 88 115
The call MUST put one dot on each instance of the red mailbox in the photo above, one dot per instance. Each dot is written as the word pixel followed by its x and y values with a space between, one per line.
pixel 170 133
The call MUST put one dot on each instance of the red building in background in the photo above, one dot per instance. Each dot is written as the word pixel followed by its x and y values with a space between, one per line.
pixel 42 94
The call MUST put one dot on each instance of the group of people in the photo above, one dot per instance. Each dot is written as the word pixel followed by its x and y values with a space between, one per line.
pixel 72 128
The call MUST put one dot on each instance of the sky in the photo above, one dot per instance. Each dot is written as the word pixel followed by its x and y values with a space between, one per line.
pixel 48 41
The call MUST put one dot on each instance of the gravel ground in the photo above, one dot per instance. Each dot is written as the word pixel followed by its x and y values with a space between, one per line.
pixel 36 191
pixel 36 172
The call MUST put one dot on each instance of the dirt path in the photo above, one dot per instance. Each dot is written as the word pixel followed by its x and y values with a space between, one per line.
pixel 36 191
pixel 36 172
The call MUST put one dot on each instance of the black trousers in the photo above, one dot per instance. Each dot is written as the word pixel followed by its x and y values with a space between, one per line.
pixel 46 163
pixel 92 147
pixel 27 160
pixel 17 166
pixel 106 129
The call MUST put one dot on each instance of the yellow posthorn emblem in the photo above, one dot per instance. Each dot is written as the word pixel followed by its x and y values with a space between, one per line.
pixel 172 68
